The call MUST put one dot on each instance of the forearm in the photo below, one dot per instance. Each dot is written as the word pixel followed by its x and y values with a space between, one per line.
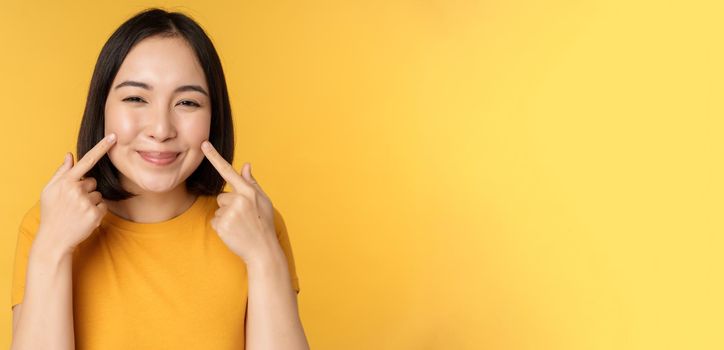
pixel 272 315
pixel 46 319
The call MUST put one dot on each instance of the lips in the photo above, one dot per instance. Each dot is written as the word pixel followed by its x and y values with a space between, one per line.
pixel 158 158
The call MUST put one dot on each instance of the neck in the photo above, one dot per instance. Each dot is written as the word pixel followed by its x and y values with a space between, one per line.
pixel 152 207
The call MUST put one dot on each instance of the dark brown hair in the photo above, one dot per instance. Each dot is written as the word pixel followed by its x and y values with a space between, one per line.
pixel 205 180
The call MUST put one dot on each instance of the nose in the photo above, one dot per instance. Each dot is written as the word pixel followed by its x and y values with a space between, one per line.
pixel 161 126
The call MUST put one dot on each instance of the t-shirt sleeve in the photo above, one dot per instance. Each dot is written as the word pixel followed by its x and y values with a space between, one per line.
pixel 283 237
pixel 26 234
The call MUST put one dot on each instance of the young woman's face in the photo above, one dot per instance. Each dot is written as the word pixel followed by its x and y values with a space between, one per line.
pixel 159 108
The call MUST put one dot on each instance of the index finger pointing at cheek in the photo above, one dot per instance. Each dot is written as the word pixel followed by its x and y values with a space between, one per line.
pixel 92 157
pixel 222 166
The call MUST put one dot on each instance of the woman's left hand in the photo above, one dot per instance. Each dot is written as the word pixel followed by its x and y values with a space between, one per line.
pixel 245 218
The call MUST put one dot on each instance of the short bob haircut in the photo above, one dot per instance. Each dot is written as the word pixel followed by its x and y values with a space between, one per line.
pixel 205 180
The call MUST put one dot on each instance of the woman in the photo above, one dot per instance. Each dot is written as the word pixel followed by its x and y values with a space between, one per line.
pixel 136 246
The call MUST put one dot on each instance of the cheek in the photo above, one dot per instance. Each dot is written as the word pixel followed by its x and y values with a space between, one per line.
pixel 125 126
pixel 121 122
pixel 195 131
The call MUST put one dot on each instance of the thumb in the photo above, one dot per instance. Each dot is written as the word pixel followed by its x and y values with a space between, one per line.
pixel 67 164
pixel 67 161
pixel 246 173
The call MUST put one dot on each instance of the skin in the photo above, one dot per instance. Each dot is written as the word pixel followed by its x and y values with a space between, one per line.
pixel 244 221
pixel 155 118
pixel 159 117
pixel 70 209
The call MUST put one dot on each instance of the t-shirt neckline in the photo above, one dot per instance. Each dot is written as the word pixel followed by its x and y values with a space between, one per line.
pixel 177 222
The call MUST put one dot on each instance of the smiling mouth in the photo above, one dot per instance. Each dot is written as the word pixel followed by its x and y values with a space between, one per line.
pixel 159 158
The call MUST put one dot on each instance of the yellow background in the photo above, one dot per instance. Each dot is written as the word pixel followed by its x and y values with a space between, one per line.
pixel 454 174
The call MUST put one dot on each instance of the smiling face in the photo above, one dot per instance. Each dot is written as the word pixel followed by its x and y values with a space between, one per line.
pixel 159 108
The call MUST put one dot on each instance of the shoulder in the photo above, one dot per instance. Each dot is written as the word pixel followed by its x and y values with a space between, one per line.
pixel 31 219
pixel 279 223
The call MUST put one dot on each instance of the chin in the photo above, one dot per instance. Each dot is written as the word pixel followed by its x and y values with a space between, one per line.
pixel 156 186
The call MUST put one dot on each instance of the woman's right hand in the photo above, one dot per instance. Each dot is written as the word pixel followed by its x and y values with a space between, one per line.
pixel 70 208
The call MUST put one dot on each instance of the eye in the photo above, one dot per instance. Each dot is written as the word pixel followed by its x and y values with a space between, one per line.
pixel 133 99
pixel 189 103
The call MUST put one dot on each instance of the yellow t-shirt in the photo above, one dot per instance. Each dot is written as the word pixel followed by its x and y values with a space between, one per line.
pixel 167 285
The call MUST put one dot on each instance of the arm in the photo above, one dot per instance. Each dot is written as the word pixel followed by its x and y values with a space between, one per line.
pixel 272 315
pixel 68 201
pixel 46 321
pixel 245 221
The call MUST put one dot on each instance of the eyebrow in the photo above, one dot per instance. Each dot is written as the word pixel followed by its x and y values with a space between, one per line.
pixel 148 87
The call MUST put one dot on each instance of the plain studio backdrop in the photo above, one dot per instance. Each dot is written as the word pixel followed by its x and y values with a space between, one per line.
pixel 453 174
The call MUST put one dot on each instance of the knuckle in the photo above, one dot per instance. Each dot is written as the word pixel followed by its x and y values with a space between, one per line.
pixel 241 201
pixel 102 208
pixel 93 214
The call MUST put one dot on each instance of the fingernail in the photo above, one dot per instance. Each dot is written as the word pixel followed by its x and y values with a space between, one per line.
pixel 206 145
pixel 111 138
